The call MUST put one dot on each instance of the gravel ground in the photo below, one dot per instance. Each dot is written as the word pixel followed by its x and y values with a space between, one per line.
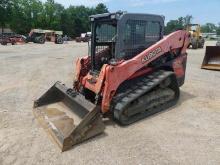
pixel 188 133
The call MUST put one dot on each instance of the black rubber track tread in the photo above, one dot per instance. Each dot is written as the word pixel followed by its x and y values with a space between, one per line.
pixel 141 87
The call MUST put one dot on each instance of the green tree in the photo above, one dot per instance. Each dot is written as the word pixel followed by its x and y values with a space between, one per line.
pixel 75 19
pixel 26 14
pixel 218 29
pixel 174 25
pixel 208 28
pixel 180 23
pixel 19 21
pixel 5 12
pixel 187 20
pixel 52 15
pixel 36 8
pixel 29 14
pixel 101 8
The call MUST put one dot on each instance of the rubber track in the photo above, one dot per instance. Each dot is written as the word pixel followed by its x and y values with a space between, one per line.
pixel 141 87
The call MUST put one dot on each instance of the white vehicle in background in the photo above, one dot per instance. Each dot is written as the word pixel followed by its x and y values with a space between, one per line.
pixel 218 42
pixel 84 37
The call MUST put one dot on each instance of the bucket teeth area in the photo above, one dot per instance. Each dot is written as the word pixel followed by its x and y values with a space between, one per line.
pixel 66 120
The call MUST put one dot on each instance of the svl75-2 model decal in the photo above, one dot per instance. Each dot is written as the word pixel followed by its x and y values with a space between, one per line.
pixel 151 55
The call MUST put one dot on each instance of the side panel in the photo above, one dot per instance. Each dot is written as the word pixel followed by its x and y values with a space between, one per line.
pixel 115 75
pixel 179 67
pixel 112 76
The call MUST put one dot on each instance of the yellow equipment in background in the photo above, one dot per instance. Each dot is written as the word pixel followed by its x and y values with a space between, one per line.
pixel 196 40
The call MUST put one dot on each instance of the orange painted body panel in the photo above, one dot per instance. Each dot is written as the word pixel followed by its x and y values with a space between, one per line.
pixel 110 77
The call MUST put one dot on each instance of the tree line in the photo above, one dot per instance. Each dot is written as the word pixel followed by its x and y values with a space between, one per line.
pixel 182 22
pixel 211 28
pixel 23 15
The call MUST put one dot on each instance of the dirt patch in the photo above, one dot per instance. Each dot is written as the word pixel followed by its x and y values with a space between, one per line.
pixel 188 133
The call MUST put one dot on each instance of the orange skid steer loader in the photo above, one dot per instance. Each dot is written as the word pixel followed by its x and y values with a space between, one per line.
pixel 132 72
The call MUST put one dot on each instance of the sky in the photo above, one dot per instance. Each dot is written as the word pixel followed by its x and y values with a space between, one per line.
pixel 203 11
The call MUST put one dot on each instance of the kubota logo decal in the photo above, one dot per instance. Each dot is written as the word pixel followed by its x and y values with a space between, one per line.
pixel 151 55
